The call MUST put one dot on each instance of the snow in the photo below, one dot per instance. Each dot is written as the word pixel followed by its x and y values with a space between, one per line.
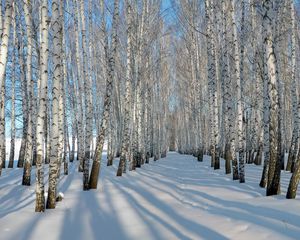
pixel 61 195
pixel 173 198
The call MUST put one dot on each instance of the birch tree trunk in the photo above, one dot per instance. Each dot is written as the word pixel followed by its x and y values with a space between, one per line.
pixel 240 95
pixel 266 116
pixel 236 74
pixel 1 20
pixel 88 104
pixel 294 181
pixel 107 101
pixel 42 109
pixel 5 32
pixel 47 134
pixel 273 184
pixel 227 89
pixel 127 106
pixel 80 75
pixel 29 81
pixel 211 76
pixel 65 132
pixel 66 147
pixel 295 100
pixel 24 94
pixel 61 139
pixel 72 88
pixel 257 145
pixel 13 94
pixel 2 128
pixel 56 93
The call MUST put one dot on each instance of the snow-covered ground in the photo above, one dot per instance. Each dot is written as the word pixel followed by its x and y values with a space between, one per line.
pixel 173 198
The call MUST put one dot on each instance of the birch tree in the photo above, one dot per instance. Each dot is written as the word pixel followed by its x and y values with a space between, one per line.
pixel 93 181
pixel 42 109
pixel 29 87
pixel 56 93
pixel 13 94
pixel 5 32
pixel 237 75
pixel 273 184
pixel 126 136
pixel 295 99
pixel 88 104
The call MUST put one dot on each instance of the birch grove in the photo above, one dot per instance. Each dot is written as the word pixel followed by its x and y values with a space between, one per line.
pixel 79 79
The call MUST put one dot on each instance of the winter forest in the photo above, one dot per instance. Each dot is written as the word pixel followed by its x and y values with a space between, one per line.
pixel 149 119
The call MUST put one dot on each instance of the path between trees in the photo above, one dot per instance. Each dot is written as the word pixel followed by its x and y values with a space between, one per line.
pixel 173 198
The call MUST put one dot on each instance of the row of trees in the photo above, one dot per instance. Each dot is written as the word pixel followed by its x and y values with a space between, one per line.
pixel 237 84
pixel 212 79
pixel 77 69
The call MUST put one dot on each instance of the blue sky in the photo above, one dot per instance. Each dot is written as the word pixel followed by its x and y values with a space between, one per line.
pixel 166 4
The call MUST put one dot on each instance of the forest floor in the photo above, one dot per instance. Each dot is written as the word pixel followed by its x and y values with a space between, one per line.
pixel 173 198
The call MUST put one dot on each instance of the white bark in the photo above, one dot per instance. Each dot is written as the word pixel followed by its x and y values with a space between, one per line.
pixel 80 137
pixel 295 100
pixel 5 38
pixel 13 94
pixel 127 110
pixel 88 96
pixel 107 101
pixel 42 108
pixel 2 128
pixel 273 185
pixel 29 82
pixel 237 81
pixel 56 93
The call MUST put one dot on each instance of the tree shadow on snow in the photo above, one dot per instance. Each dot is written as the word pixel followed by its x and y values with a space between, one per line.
pixel 191 226
pixel 257 215
pixel 96 223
